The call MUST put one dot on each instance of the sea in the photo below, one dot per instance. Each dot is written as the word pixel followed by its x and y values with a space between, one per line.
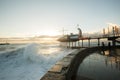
pixel 29 59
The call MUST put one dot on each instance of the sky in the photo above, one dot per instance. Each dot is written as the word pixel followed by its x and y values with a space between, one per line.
pixel 21 18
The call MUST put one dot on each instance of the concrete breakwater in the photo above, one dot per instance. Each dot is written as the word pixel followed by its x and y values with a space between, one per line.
pixel 60 69
pixel 66 69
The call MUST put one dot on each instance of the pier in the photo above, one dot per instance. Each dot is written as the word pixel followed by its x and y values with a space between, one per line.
pixel 115 34
pixel 66 68
pixel 112 39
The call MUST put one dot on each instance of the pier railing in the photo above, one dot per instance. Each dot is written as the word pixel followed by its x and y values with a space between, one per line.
pixel 86 41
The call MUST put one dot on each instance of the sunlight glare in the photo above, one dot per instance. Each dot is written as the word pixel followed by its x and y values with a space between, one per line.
pixel 50 32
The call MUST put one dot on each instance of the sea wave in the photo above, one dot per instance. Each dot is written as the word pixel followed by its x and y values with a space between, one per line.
pixel 30 62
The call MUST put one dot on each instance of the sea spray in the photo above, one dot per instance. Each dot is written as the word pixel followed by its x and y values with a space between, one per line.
pixel 31 62
pixel 31 53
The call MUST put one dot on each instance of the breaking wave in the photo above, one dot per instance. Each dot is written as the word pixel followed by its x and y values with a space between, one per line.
pixel 30 62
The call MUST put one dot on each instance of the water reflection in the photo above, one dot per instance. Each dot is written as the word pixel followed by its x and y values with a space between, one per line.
pixel 100 66
pixel 113 57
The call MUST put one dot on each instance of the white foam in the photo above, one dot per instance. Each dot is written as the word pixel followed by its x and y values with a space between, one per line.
pixel 29 63
pixel 31 53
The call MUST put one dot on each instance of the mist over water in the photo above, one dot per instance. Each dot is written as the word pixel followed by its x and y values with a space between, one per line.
pixel 30 62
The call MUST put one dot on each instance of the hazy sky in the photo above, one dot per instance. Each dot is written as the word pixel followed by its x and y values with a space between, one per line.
pixel 41 17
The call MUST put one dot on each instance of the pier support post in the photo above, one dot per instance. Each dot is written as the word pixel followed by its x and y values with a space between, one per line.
pixel 98 41
pixel 72 44
pixel 109 45
pixel 103 46
pixel 114 43
pixel 68 44
pixel 82 42
pixel 78 44
pixel 75 44
pixel 88 42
